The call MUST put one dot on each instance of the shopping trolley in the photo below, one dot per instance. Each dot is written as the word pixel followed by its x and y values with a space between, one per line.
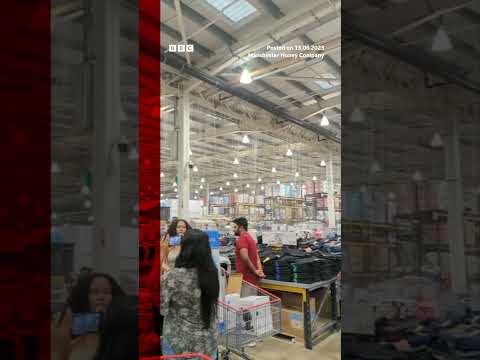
pixel 180 356
pixel 246 318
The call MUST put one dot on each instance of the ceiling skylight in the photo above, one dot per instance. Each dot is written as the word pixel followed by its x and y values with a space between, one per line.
pixel 235 11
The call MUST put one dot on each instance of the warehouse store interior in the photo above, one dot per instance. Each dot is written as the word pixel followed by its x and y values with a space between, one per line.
pixel 259 138
pixel 410 214
pixel 241 136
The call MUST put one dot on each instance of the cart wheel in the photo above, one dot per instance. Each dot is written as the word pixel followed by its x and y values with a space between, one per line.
pixel 225 355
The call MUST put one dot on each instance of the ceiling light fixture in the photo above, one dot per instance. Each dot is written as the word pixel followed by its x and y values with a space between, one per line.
pixel 274 170
pixel 85 190
pixel 201 187
pixel 235 175
pixel 375 167
pixel 227 183
pixel 441 41
pixel 323 163
pixel 211 193
pixel 253 192
pixel 278 182
pixel 436 141
pixel 259 179
pixel 236 162
pixel 162 175
pixel 297 174
pixel 236 190
pixel 246 139
pixel 262 187
pixel 87 204
pixel 195 168
pixel 221 188
pixel 417 176
pixel 246 77
pixel 289 152
pixel 175 184
pixel 314 178
pixel 357 116
pixel 55 169
pixel 190 152
pixel 324 121
pixel 202 180
pixel 247 186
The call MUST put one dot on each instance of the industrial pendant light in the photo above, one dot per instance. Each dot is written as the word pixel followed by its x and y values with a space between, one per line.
pixel 85 190
pixel 259 179
pixel 289 152
pixel 417 176
pixel 357 116
pixel 375 167
pixel 236 190
pixel 297 174
pixel 274 169
pixel 314 178
pixel 162 175
pixel 278 182
pixel 436 141
pixel 323 163
pixel 201 187
pixel 441 41
pixel 55 168
pixel 246 77
pixel 236 162
pixel 221 188
pixel 227 183
pixel 202 180
pixel 324 121
pixel 195 168
pixel 246 139
pixel 235 175
pixel 247 186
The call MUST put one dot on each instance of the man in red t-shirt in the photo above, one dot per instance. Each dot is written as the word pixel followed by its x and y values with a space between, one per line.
pixel 247 260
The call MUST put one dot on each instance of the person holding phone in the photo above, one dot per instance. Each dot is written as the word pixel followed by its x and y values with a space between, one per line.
pixel 188 299
pixel 170 244
pixel 77 330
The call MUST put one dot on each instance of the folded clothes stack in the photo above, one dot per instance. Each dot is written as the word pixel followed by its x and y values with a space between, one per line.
pixel 453 337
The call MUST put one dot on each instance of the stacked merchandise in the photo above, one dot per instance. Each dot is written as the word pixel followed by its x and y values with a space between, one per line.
pixel 457 336
pixel 294 265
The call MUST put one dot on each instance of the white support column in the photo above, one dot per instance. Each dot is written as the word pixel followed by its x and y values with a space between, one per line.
pixel 455 209
pixel 106 162
pixel 207 198
pixel 182 118
pixel 331 193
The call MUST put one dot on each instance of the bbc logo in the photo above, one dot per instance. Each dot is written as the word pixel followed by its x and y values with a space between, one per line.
pixel 180 48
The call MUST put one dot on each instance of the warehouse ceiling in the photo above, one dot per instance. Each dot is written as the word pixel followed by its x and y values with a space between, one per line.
pixel 409 105
pixel 222 39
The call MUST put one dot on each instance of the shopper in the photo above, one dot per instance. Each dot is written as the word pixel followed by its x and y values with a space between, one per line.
pixel 170 246
pixel 188 299
pixel 247 259
pixel 92 294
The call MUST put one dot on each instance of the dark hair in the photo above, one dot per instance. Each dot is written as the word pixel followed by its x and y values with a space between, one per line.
pixel 195 253
pixel 241 221
pixel 172 229
pixel 78 301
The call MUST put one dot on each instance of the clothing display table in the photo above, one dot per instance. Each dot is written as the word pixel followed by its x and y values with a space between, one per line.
pixel 312 334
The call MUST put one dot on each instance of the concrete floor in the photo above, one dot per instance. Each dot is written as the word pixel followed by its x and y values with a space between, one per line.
pixel 274 349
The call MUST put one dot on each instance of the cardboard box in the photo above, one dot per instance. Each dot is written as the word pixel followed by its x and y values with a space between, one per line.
pixel 292 323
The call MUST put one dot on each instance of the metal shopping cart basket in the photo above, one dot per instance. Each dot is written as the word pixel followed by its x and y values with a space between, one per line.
pixel 179 357
pixel 246 318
